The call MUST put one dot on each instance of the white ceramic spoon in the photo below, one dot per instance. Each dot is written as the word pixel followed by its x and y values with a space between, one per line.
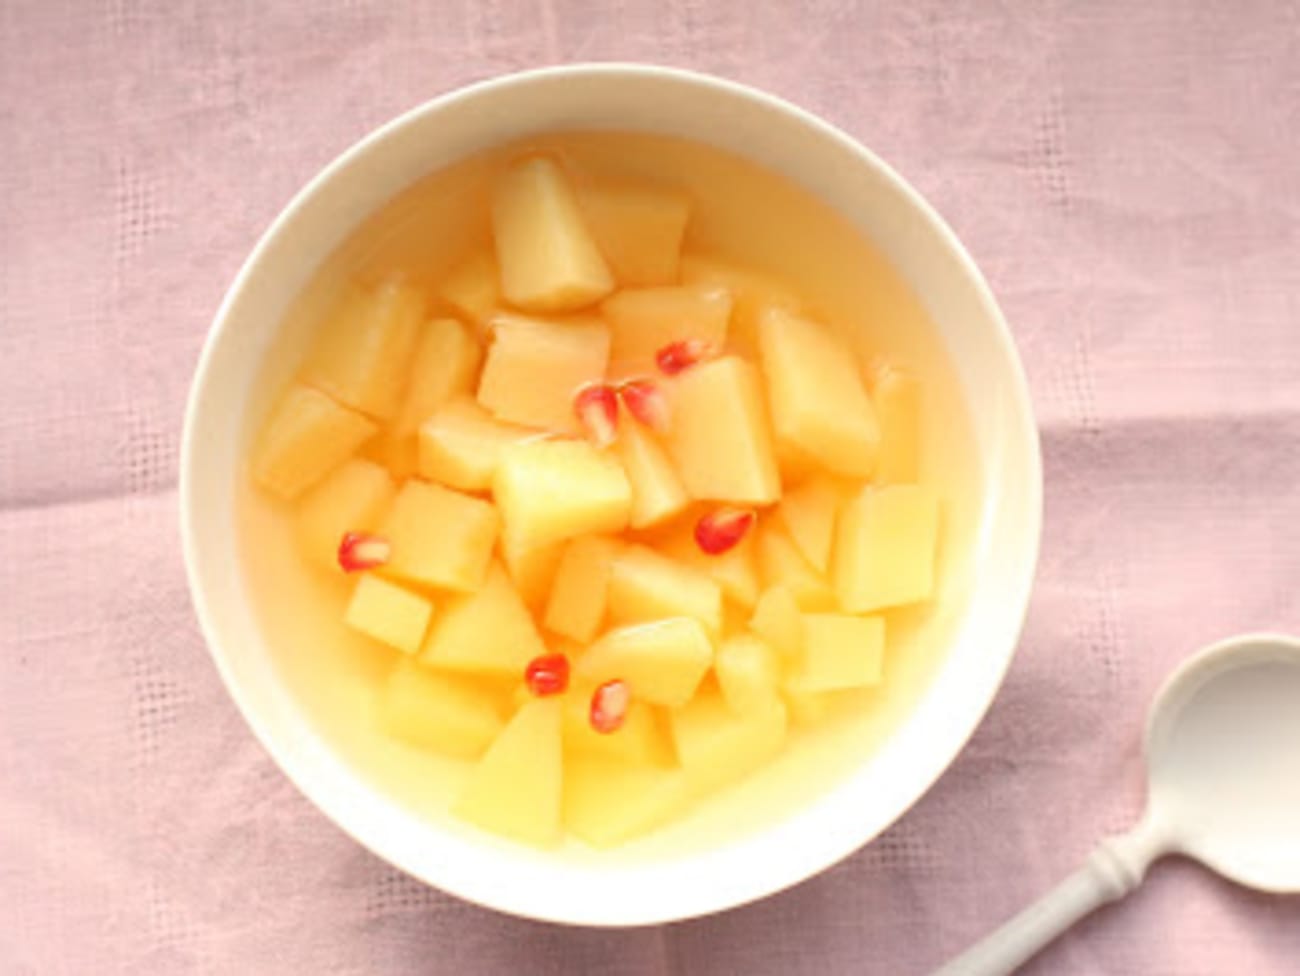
pixel 1223 773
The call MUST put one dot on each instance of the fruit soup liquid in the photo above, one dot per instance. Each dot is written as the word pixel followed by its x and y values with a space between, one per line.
pixel 745 215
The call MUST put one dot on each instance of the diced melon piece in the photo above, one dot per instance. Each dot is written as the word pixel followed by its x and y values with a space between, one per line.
pixel 388 613
pixel 439 711
pixel 550 490
pixel 781 563
pixel 897 396
pixel 489 632
pixel 720 439
pixel 885 547
pixel 461 445
pixel 307 436
pixel 363 351
pixel 607 803
pixel 473 287
pixel 657 492
pixel 644 585
pixel 748 673
pixel 818 401
pixel 839 651
pixel 778 620
pixel 439 537
pixel 663 662
pixel 534 368
pixel 735 570
pixel 751 290
pixel 806 708
pixel 808 513
pixel 549 262
pixel 638 740
pixel 716 747
pixel 352 498
pixel 517 787
pixel 580 593
pixel 531 568
pixel 644 320
pixel 446 365
pixel 638 229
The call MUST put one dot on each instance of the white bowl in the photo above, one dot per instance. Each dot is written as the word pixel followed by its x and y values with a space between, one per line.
pixel 688 873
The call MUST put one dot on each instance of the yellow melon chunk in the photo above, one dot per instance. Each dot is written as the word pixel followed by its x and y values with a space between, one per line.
pixel 644 586
pixel 446 365
pixel 749 673
pixel 307 436
pixel 752 292
pixel 363 352
pixel 780 563
pixel 489 632
pixel 388 613
pixel 897 397
pixel 352 498
pixel 778 620
pixel 534 367
pixel 657 492
pixel 473 287
pixel 808 513
pixel 817 397
pixel 735 570
pixel 720 440
pixel 549 262
pixel 551 490
pixel 580 593
pixel 885 547
pixel 840 651
pixel 439 711
pixel 517 787
pixel 440 537
pixel 717 747
pixel 639 230
pixel 607 803
pixel 461 444
pixel 663 662
pixel 531 568
pixel 638 740
pixel 644 320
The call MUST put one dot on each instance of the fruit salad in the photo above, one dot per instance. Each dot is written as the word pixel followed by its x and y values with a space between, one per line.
pixel 618 518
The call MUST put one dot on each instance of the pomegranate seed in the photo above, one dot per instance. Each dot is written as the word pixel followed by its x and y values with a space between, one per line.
pixel 646 402
pixel 683 354
pixel 360 550
pixel 547 674
pixel 609 706
pixel 596 405
pixel 722 528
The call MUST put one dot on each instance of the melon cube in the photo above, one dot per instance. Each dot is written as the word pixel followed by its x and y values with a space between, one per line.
pixel 885 547
pixel 780 563
pixel 717 747
pixel 551 490
pixel 580 593
pixel 638 740
pixel 473 287
pixel 749 673
pixel 735 570
pixel 307 436
pixel 516 789
pixel 897 397
pixel 489 632
pixel 446 364
pixel 607 803
pixel 720 440
pixel 531 568
pixel 839 651
pixel 657 492
pixel 663 662
pixel 439 711
pixel 644 320
pixel 808 513
pixel 352 498
pixel 645 585
pixel 389 613
pixel 639 230
pixel 363 351
pixel 778 620
pixel 534 368
pixel 549 262
pixel 817 397
pixel 751 291
pixel 461 444
pixel 440 537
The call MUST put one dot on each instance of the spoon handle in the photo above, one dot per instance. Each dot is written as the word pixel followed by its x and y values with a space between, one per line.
pixel 1115 868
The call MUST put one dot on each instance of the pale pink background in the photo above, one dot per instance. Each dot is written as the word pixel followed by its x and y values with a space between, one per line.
pixel 1128 176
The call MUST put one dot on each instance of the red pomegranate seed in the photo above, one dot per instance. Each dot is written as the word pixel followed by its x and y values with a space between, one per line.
pixel 722 528
pixel 609 706
pixel 683 354
pixel 646 402
pixel 360 550
pixel 596 405
pixel 547 674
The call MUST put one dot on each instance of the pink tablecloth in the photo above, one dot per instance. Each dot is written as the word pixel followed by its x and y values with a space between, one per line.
pixel 1128 174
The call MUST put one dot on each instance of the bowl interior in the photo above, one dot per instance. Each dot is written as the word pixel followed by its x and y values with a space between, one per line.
pixel 763 836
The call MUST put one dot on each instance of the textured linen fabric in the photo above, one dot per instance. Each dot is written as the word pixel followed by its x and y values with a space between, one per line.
pixel 1127 175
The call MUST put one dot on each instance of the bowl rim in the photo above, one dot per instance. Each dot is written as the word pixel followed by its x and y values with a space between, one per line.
pixel 692 902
